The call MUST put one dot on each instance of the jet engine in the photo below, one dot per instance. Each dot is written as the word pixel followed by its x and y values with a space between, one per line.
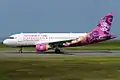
pixel 42 47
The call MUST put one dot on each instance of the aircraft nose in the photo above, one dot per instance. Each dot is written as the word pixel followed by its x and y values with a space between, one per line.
pixel 5 42
pixel 9 42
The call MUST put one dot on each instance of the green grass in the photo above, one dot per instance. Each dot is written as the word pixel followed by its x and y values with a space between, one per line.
pixel 60 68
pixel 107 45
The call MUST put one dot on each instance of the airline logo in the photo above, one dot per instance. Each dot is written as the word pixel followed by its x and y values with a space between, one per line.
pixel 104 26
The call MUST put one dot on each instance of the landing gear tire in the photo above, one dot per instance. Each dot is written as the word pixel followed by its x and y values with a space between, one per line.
pixel 57 50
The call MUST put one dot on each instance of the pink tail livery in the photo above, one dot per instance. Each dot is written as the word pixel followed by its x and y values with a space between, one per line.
pixel 103 28
pixel 100 33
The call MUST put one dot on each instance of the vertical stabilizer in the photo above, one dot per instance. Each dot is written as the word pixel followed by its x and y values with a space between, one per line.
pixel 103 28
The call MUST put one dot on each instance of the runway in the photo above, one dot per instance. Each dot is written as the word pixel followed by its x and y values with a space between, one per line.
pixel 69 53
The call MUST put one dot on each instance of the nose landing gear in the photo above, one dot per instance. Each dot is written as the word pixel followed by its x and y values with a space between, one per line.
pixel 20 50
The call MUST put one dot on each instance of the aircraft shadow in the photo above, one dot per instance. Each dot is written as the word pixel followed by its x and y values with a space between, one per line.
pixel 31 52
pixel 67 52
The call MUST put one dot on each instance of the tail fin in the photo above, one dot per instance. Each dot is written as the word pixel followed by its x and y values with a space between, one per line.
pixel 103 28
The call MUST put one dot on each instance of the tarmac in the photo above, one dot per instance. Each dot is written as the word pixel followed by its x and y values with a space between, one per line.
pixel 104 53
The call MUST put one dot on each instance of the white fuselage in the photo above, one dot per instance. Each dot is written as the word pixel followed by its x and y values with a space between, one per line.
pixel 26 39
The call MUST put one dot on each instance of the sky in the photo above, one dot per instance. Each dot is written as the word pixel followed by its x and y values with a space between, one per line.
pixel 18 16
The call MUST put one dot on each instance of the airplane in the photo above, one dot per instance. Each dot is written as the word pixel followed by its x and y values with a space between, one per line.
pixel 56 41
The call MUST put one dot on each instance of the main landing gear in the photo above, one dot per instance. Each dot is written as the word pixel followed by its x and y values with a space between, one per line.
pixel 58 50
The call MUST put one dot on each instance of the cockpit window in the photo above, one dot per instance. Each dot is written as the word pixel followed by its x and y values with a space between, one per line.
pixel 11 37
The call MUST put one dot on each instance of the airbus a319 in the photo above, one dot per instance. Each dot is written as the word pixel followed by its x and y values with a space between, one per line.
pixel 56 41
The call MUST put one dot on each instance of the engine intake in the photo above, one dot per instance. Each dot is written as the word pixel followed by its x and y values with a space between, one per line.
pixel 42 47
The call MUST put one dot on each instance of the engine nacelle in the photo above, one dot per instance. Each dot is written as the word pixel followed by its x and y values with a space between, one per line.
pixel 42 47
